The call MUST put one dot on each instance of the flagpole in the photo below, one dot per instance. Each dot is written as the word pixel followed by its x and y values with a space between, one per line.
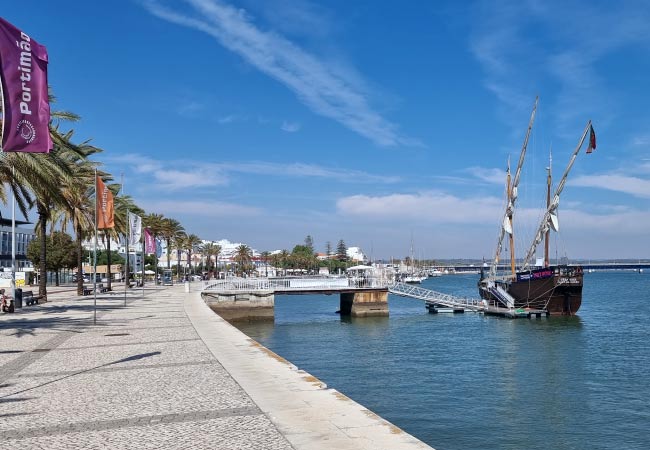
pixel 95 255
pixel 128 239
pixel 143 251
pixel 13 237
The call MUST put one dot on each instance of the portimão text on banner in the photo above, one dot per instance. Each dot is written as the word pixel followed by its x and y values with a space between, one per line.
pixel 23 78
pixel 105 207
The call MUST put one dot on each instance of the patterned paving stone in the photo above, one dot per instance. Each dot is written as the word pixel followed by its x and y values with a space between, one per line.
pixel 140 378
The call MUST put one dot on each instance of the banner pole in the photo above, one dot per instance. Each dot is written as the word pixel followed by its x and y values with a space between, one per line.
pixel 143 251
pixel 95 256
pixel 13 237
pixel 128 239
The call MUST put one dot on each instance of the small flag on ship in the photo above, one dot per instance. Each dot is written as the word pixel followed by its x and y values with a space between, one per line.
pixel 592 140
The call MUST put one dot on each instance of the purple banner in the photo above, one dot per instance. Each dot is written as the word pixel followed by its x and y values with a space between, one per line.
pixel 23 73
pixel 149 243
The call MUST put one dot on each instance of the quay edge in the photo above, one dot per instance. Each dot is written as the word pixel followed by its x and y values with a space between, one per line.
pixel 308 413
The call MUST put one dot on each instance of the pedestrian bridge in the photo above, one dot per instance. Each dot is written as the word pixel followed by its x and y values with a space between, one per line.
pixel 360 295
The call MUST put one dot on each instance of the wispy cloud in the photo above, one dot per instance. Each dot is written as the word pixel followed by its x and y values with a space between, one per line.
pixel 290 127
pixel 433 207
pixel 577 37
pixel 206 208
pixel 307 170
pixel 230 118
pixel 318 85
pixel 170 175
pixel 179 175
pixel 490 176
pixel 190 108
pixel 635 186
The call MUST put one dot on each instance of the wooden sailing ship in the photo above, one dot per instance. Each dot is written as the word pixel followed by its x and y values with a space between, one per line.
pixel 556 289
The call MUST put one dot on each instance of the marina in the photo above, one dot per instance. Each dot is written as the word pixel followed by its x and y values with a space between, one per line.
pixel 461 381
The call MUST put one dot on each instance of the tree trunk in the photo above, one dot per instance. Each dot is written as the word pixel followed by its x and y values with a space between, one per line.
pixel 169 253
pixel 108 262
pixel 42 266
pixel 56 278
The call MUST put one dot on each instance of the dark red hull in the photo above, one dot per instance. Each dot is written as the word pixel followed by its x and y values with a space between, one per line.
pixel 557 290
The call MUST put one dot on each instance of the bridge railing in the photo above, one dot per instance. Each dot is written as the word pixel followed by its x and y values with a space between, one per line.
pixel 295 283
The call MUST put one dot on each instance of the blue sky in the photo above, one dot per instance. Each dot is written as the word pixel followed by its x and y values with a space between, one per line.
pixel 371 122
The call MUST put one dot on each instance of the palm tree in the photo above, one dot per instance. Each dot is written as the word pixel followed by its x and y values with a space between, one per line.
pixel 42 175
pixel 265 259
pixel 53 168
pixel 243 257
pixel 170 228
pixel 285 257
pixel 78 210
pixel 212 249
pixel 179 244
pixel 192 243
pixel 155 224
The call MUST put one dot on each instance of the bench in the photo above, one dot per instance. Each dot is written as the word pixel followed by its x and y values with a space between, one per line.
pixel 100 289
pixel 29 299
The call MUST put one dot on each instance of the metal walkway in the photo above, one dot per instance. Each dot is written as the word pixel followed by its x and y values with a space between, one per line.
pixel 433 297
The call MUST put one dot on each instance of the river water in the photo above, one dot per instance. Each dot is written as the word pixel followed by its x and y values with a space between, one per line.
pixel 468 381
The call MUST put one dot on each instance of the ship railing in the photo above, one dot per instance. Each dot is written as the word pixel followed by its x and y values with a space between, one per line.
pixel 503 296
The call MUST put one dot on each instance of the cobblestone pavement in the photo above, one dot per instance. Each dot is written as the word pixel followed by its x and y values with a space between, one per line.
pixel 140 378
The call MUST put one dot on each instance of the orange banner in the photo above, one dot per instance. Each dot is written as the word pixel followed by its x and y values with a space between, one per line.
pixel 105 208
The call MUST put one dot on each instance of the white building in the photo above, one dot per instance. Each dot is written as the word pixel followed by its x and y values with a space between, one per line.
pixel 356 254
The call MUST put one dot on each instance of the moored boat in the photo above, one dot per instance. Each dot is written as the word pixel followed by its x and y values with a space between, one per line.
pixel 556 289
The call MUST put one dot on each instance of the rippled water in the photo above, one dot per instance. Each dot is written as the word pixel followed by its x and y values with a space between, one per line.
pixel 474 382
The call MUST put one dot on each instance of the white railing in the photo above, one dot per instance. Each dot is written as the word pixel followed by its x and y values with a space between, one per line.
pixel 235 284
pixel 409 290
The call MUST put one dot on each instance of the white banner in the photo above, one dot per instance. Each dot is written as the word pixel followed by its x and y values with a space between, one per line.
pixel 135 227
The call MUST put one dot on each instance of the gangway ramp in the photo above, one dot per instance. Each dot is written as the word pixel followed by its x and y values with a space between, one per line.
pixel 433 297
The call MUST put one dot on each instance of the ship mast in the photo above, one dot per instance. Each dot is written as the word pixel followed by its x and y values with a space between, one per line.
pixel 509 229
pixel 506 223
pixel 550 217
pixel 548 203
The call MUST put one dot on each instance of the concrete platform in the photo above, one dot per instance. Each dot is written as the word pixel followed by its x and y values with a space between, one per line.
pixel 163 372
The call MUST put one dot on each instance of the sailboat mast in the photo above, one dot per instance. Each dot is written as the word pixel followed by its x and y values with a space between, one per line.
pixel 512 232
pixel 552 209
pixel 548 204
pixel 512 197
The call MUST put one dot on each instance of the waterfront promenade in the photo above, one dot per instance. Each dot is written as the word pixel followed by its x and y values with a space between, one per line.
pixel 163 372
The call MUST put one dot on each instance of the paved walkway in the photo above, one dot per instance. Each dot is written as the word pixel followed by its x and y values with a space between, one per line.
pixel 163 372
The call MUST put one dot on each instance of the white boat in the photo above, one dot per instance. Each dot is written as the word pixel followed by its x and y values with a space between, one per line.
pixel 413 279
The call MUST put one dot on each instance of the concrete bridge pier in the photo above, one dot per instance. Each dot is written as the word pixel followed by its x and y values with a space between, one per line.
pixel 242 306
pixel 372 303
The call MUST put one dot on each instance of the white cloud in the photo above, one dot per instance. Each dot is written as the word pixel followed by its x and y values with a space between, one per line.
pixel 307 170
pixel 637 187
pixel 491 176
pixel 230 118
pixel 290 127
pixel 433 207
pixel 207 208
pixel 190 108
pixel 189 178
pixel 318 85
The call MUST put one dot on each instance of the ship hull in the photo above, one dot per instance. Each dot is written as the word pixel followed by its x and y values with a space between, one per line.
pixel 558 290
